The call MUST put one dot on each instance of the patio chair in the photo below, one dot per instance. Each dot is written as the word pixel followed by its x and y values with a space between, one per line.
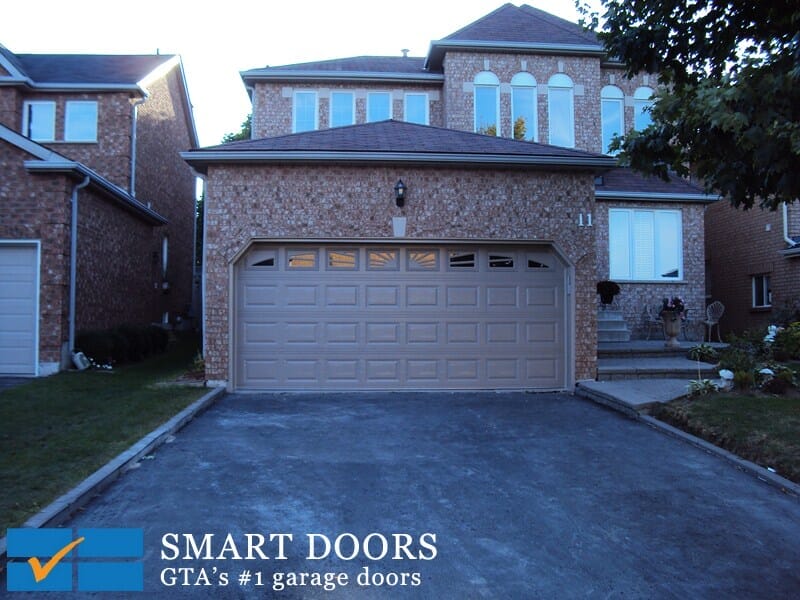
pixel 714 312
pixel 652 319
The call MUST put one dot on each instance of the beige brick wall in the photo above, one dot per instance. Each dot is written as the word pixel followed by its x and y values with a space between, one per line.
pixel 245 203
pixel 740 244
pixel 634 296
pixel 272 103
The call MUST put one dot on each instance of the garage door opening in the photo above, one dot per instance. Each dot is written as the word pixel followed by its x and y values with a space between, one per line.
pixel 336 317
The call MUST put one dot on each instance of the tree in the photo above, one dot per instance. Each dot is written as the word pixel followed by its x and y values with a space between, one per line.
pixel 728 105
pixel 245 133
pixel 520 128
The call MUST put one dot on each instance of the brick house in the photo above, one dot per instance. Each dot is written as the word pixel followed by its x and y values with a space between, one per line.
pixel 96 205
pixel 753 263
pixel 439 221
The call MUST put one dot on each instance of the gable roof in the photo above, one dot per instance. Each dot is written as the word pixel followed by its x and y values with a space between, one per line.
pixel 625 184
pixel 361 68
pixel 70 72
pixel 517 29
pixel 397 142
pixel 45 160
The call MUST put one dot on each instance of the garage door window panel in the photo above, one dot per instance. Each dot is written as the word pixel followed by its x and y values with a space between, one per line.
pixel 383 260
pixel 342 260
pixel 461 261
pixel 501 261
pixel 423 260
pixel 263 259
pixel 301 259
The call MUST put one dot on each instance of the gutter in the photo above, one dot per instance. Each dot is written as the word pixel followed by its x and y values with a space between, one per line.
pixel 786 237
pixel 312 75
pixel 655 196
pixel 433 158
pixel 73 261
pixel 134 113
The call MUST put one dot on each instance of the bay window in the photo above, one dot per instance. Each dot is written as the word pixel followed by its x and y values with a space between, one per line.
pixel 645 245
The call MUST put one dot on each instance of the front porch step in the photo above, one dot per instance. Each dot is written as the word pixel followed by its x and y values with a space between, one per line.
pixel 647 349
pixel 663 367
pixel 611 326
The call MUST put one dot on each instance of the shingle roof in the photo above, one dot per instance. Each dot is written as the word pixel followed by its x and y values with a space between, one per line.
pixel 524 24
pixel 399 141
pixel 621 182
pixel 407 68
pixel 90 69
pixel 517 28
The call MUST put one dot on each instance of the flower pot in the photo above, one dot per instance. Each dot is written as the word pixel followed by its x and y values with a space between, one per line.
pixel 672 327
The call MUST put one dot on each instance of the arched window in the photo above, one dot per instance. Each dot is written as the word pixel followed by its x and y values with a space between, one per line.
pixel 642 101
pixel 561 111
pixel 487 106
pixel 612 106
pixel 523 107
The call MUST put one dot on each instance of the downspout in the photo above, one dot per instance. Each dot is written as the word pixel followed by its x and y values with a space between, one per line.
pixel 786 237
pixel 134 114
pixel 73 262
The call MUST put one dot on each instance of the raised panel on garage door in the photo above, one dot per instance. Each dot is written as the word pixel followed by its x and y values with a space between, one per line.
pixel 400 317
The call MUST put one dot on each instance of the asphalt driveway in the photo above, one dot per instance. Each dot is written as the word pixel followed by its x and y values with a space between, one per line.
pixel 528 496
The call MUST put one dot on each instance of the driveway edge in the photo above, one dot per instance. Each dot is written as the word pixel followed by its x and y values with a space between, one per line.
pixel 765 475
pixel 66 505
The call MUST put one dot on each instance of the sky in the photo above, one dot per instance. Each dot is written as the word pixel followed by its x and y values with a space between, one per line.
pixel 217 43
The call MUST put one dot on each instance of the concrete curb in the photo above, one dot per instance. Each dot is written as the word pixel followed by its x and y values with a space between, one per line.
pixel 65 506
pixel 773 479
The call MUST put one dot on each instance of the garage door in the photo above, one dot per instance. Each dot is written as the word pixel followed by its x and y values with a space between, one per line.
pixel 18 309
pixel 400 317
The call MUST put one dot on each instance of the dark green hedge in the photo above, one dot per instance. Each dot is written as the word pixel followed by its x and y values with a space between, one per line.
pixel 123 344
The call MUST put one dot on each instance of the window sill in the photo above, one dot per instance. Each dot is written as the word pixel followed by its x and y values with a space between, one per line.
pixel 760 309
pixel 653 281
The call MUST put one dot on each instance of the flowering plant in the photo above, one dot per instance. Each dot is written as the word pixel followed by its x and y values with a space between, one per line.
pixel 672 304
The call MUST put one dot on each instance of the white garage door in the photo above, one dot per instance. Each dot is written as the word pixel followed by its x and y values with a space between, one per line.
pixel 18 309
pixel 400 317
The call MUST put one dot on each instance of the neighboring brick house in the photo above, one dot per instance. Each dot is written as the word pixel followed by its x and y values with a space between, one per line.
pixel 753 263
pixel 100 135
pixel 484 274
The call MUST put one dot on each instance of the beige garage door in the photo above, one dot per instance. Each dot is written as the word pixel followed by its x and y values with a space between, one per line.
pixel 400 317
pixel 18 309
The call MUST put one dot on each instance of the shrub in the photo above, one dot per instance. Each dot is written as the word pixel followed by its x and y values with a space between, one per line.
pixel 737 359
pixel 704 353
pixel 743 380
pixel 96 345
pixel 126 343
pixel 787 341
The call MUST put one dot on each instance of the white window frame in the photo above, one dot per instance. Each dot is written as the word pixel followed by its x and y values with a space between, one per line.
pixel 426 108
pixel 294 110
pixel 69 134
pixel 763 281
pixel 370 96
pixel 525 81
pixel 642 100
pixel 352 108
pixel 486 80
pixel 610 96
pixel 636 253
pixel 561 83
pixel 27 106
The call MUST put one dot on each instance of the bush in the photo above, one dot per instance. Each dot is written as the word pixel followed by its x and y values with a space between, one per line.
pixel 744 380
pixel 737 359
pixel 126 343
pixel 787 341
pixel 704 353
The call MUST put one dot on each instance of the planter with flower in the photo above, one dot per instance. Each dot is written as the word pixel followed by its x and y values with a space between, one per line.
pixel 671 314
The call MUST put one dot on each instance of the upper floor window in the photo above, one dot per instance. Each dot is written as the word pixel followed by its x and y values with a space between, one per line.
pixel 39 121
pixel 487 87
pixel 379 106
pixel 612 105
pixel 561 111
pixel 342 109
pixel 305 112
pixel 417 108
pixel 80 121
pixel 642 101
pixel 523 107
pixel 645 244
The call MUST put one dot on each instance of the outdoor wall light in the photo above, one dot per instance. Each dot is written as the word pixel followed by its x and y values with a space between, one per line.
pixel 400 193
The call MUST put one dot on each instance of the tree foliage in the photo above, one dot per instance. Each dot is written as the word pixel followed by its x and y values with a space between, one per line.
pixel 728 105
pixel 243 134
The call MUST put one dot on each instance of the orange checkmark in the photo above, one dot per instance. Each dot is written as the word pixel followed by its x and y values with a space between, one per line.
pixel 40 572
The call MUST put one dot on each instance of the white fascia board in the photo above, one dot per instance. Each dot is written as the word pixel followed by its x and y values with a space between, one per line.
pixel 159 71
pixel 362 76
pixel 97 181
pixel 28 145
pixel 655 196
pixel 398 157
pixel 792 252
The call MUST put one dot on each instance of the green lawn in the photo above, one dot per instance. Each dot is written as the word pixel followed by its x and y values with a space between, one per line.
pixel 57 430
pixel 761 428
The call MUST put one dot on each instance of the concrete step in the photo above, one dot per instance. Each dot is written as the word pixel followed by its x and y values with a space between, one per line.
pixel 612 326
pixel 621 335
pixel 666 367
pixel 647 349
